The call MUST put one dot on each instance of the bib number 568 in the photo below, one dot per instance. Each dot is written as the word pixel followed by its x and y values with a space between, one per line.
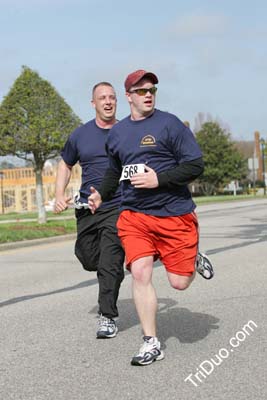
pixel 129 170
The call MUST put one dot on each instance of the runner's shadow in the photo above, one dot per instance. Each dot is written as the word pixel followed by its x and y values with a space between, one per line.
pixel 172 321
pixel 187 326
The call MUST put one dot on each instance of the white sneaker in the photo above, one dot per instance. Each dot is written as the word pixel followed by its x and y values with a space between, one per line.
pixel 107 328
pixel 204 266
pixel 149 352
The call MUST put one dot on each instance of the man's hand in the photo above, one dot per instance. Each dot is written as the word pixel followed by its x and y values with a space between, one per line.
pixel 61 204
pixel 94 200
pixel 146 180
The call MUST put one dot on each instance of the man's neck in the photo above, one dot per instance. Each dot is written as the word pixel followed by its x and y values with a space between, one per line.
pixel 105 124
pixel 135 116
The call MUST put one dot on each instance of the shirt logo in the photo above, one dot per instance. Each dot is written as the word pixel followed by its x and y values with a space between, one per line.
pixel 148 140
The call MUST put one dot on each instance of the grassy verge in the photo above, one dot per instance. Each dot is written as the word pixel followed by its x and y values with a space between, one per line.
pixel 34 215
pixel 17 231
pixel 216 199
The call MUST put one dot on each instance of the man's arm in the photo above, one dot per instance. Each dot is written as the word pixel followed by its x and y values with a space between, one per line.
pixel 183 174
pixel 109 184
pixel 108 187
pixel 62 180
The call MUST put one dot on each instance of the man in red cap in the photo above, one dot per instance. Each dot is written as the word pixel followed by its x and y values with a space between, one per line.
pixel 154 156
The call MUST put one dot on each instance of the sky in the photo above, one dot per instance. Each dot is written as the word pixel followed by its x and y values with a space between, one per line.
pixel 209 56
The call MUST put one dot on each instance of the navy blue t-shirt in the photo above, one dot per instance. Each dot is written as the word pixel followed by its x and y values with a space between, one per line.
pixel 86 145
pixel 162 142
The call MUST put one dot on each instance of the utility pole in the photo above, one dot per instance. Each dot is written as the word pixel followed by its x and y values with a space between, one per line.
pixel 262 142
pixel 2 191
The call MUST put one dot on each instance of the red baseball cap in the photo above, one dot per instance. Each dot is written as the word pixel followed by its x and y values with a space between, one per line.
pixel 136 76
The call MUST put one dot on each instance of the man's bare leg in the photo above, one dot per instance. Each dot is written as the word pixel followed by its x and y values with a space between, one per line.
pixel 144 294
pixel 180 282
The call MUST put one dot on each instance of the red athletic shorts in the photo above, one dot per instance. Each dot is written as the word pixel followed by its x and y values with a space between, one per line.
pixel 174 240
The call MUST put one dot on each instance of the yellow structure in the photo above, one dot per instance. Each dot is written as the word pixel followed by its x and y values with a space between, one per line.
pixel 18 188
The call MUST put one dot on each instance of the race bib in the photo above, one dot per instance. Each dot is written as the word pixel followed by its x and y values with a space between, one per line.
pixel 129 170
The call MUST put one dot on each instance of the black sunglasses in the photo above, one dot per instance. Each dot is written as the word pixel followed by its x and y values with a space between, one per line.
pixel 143 91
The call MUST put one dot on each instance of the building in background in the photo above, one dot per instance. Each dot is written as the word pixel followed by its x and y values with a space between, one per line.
pixel 18 188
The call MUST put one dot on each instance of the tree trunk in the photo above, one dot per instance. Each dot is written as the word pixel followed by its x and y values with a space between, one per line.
pixel 39 196
pixel 208 188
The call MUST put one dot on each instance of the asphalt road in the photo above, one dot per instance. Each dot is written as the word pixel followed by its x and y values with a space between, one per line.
pixel 213 334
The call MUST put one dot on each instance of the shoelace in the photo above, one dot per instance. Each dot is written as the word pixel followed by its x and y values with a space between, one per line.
pixel 103 321
pixel 202 263
pixel 146 347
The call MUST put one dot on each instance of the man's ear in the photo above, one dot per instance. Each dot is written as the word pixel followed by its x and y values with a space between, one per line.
pixel 128 97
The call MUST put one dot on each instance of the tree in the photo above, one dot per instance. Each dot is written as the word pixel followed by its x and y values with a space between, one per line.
pixel 35 121
pixel 223 162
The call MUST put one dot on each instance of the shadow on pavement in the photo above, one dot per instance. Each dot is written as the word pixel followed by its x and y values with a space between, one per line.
pixel 173 321
pixel 15 300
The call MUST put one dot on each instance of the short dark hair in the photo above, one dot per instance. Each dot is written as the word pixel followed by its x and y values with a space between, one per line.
pixel 101 84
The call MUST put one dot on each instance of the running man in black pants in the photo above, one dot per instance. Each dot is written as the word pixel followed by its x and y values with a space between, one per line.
pixel 97 246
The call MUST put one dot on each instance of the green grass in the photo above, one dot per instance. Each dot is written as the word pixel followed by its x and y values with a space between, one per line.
pixel 224 198
pixel 17 231
pixel 31 215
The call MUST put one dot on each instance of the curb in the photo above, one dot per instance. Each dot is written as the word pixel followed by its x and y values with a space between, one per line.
pixel 35 242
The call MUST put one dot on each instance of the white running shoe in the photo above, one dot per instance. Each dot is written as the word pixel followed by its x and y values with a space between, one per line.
pixel 204 266
pixel 149 352
pixel 107 328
